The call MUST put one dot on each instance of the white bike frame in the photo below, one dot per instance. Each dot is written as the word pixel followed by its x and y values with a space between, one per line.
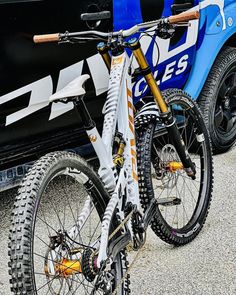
pixel 119 115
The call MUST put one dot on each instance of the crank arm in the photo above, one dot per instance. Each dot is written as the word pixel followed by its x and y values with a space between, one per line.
pixel 167 202
pixel 149 214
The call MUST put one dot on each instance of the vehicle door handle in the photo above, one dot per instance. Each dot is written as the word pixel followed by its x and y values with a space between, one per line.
pixel 96 16
pixel 178 8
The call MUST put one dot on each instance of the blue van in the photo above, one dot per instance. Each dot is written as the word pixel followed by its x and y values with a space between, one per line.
pixel 200 58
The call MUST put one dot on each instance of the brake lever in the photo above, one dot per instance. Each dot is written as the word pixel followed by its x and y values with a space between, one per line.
pixel 165 30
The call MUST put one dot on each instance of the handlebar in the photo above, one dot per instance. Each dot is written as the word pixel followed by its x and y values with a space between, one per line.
pixel 184 17
pixel 175 19
pixel 46 38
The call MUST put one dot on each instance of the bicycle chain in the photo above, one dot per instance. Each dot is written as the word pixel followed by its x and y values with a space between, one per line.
pixel 120 225
pixel 127 272
pixel 136 256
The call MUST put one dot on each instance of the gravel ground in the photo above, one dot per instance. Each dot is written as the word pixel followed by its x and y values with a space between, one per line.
pixel 206 266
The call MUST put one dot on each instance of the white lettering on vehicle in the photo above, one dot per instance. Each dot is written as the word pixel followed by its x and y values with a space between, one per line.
pixel 42 89
pixel 169 71
pixel 40 92
pixel 168 74
pixel 182 64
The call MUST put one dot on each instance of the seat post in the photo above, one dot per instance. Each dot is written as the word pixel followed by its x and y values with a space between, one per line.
pixel 84 113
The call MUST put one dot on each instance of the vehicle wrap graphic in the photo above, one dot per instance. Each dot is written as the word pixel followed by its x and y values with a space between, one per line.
pixel 175 60
pixel 174 64
pixel 218 24
pixel 41 89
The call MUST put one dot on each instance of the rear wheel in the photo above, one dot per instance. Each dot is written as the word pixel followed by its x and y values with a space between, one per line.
pixel 56 227
pixel 183 203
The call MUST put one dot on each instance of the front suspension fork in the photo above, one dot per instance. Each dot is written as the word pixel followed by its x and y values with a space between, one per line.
pixel 166 115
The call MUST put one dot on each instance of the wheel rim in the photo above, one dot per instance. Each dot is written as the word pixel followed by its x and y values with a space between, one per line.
pixel 225 110
pixel 181 198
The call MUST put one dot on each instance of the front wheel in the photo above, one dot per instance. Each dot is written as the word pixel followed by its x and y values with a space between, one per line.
pixel 56 228
pixel 183 203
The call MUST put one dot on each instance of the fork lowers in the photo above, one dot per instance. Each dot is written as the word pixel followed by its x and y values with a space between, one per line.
pixel 178 143
pixel 165 113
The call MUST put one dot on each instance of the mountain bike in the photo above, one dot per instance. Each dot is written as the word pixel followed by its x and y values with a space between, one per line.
pixel 71 227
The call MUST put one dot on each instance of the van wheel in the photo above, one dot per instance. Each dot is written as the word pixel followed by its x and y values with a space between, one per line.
pixel 217 101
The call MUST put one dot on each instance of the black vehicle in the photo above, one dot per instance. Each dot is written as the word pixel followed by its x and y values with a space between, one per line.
pixel 30 73
pixel 30 126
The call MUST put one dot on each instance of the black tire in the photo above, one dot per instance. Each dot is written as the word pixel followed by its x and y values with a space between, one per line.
pixel 217 101
pixel 46 208
pixel 155 153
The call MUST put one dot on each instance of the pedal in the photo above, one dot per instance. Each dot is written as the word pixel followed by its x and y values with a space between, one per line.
pixel 166 202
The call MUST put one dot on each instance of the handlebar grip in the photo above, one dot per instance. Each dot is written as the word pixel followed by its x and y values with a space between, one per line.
pixel 184 17
pixel 46 38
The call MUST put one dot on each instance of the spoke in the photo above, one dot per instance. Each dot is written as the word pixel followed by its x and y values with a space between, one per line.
pixel 54 209
pixel 65 286
pixel 76 221
pixel 180 196
pixel 190 190
pixel 46 284
pixel 48 291
pixel 219 116
pixel 223 90
pixel 47 224
pixel 49 247
pixel 189 145
pixel 185 128
pixel 84 285
pixel 187 177
pixel 64 211
pixel 156 151
pixel 183 205
pixel 232 82
pixel 94 232
pixel 183 202
pixel 229 121
pixel 196 153
pixel 91 211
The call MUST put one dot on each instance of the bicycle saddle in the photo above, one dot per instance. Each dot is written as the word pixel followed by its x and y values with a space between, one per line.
pixel 73 89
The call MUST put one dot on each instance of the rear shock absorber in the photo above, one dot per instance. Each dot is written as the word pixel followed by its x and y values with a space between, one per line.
pixel 118 150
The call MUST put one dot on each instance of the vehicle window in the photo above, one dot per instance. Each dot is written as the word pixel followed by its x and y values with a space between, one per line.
pixel 152 9
pixel 17 1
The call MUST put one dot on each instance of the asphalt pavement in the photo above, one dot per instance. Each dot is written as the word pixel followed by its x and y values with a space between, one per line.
pixel 207 266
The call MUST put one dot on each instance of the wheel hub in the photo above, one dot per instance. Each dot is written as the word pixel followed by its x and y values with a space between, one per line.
pixel 66 267
pixel 227 103
pixel 167 166
pixel 60 260
pixel 174 166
